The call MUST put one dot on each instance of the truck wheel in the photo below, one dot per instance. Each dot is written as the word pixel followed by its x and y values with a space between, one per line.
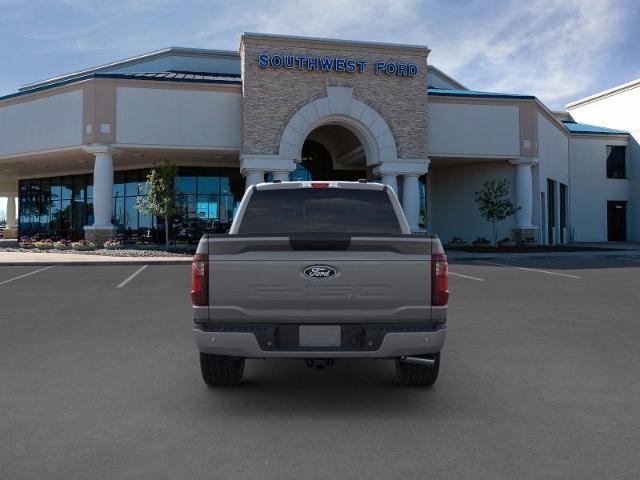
pixel 221 370
pixel 418 375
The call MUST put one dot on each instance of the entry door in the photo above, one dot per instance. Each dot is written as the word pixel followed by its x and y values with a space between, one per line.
pixel 551 211
pixel 617 221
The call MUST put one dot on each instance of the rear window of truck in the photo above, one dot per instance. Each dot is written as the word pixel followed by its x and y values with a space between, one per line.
pixel 320 210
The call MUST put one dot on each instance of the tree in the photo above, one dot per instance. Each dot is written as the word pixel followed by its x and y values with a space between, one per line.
pixel 160 199
pixel 494 203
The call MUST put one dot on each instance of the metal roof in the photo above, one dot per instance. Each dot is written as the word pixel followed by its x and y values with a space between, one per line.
pixel 186 77
pixel 444 92
pixel 575 127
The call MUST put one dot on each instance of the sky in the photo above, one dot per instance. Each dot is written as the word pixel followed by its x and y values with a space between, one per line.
pixel 558 50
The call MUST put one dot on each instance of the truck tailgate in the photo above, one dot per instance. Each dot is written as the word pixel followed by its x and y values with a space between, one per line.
pixel 375 279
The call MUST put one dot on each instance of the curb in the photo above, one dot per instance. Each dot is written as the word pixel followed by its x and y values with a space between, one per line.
pixel 561 255
pixel 83 263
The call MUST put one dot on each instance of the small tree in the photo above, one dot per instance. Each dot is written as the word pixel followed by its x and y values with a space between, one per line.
pixel 160 193
pixel 494 203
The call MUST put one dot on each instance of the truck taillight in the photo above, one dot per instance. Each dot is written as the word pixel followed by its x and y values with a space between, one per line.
pixel 200 281
pixel 439 280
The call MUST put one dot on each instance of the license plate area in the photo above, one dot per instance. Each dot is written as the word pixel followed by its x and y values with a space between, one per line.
pixel 320 336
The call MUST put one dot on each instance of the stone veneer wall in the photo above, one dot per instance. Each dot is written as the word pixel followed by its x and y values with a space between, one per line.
pixel 271 96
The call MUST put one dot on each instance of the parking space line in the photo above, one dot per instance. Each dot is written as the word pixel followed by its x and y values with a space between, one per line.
pixel 466 276
pixel 132 276
pixel 528 269
pixel 633 259
pixel 25 275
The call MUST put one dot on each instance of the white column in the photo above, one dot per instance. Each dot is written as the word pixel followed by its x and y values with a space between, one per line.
pixel 524 192
pixel 103 190
pixel 411 199
pixel 281 175
pixel 11 211
pixel 253 177
pixel 390 180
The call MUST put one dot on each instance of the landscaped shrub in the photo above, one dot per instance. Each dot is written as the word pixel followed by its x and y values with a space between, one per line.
pixel 43 244
pixel 26 242
pixel 83 245
pixel 62 245
pixel 112 244
pixel 506 242
pixel 481 241
pixel 457 241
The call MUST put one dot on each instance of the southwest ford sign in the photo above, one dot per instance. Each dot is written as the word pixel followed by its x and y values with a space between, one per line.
pixel 331 64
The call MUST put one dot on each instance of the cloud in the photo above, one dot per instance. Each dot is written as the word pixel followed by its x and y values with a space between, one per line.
pixel 547 48
pixel 555 49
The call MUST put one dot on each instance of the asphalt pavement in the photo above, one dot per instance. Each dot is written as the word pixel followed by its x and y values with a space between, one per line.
pixel 99 378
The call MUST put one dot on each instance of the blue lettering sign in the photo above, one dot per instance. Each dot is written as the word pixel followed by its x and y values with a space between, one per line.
pixel 263 61
pixel 327 63
pixel 351 66
pixel 288 61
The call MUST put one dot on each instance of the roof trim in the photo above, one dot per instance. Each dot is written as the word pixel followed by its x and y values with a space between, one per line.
pixel 118 76
pixel 423 49
pixel 447 77
pixel 442 92
pixel 604 93
pixel 165 52
pixel 593 129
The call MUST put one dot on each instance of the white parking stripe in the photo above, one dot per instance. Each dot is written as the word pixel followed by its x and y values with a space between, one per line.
pixel 633 259
pixel 528 269
pixel 466 276
pixel 25 275
pixel 132 276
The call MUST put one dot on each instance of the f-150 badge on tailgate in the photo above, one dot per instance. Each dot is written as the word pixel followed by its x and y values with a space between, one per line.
pixel 319 271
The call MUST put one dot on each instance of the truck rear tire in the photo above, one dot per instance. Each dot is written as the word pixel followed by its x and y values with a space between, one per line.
pixel 221 370
pixel 418 375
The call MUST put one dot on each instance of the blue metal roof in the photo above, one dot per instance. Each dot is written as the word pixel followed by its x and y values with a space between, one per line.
pixel 173 76
pixel 575 127
pixel 444 92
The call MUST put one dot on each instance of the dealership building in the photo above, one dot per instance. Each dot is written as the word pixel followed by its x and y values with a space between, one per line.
pixel 75 149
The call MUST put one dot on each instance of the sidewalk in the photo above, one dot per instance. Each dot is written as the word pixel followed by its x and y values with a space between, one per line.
pixel 32 258
pixel 457 255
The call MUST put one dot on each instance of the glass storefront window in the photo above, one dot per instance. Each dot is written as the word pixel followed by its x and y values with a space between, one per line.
pixel 60 207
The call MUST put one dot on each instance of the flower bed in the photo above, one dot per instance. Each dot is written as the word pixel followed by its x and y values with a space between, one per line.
pixel 113 244
pixel 83 245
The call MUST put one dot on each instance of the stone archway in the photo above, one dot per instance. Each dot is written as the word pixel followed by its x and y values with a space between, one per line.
pixel 340 108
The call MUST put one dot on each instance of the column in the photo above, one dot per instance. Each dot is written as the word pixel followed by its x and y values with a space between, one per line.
pixel 11 212
pixel 524 197
pixel 411 199
pixel 253 177
pixel 281 175
pixel 524 192
pixel 390 180
pixel 102 229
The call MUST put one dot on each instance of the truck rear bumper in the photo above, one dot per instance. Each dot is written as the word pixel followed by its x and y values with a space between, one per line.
pixel 393 345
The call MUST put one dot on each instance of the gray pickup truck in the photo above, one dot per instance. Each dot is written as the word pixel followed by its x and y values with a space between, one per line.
pixel 319 271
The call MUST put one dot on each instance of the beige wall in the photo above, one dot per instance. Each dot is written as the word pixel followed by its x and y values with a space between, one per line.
pixel 50 122
pixel 272 96
pixel 167 117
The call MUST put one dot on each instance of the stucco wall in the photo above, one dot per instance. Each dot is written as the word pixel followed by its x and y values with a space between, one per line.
pixel 621 111
pixel 45 123
pixel 465 129
pixel 165 117
pixel 590 189
pixel 271 96
pixel 453 211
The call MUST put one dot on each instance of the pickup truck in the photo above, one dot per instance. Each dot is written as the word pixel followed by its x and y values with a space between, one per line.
pixel 320 271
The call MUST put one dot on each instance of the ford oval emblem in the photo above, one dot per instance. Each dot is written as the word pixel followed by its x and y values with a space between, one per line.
pixel 319 271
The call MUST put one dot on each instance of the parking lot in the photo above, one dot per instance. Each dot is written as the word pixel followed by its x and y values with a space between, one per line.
pixel 99 378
